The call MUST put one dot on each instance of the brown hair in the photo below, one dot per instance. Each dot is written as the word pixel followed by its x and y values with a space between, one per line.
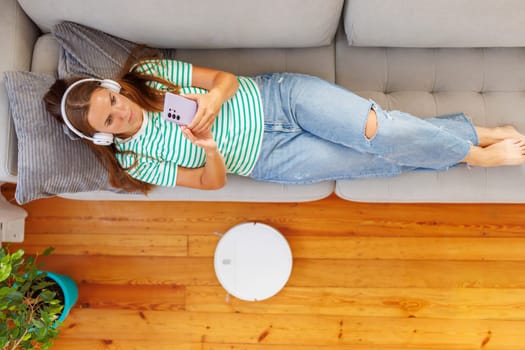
pixel 135 86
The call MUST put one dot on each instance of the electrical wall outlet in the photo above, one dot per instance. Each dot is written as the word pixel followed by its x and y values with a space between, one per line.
pixel 12 220
pixel 12 231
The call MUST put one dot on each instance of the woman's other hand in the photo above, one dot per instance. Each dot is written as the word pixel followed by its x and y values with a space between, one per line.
pixel 203 139
pixel 212 175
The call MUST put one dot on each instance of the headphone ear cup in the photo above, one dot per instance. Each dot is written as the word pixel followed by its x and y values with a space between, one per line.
pixel 111 85
pixel 102 139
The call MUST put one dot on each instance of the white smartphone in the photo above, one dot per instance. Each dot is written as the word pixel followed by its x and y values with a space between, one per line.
pixel 178 109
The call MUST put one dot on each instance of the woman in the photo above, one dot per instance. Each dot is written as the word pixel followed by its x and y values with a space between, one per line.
pixel 282 127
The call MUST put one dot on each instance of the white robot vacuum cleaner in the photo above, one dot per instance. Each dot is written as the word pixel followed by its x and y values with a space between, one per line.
pixel 253 261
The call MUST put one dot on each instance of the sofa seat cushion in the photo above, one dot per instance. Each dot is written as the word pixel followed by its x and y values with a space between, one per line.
pixel 238 189
pixel 183 24
pixel 430 23
pixel 459 185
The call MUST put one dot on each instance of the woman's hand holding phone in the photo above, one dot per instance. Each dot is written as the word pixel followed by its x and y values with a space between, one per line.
pixel 208 107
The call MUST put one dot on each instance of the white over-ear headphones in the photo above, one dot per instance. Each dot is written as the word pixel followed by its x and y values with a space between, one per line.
pixel 99 138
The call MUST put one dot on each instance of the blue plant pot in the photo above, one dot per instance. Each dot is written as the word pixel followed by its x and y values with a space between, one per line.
pixel 70 290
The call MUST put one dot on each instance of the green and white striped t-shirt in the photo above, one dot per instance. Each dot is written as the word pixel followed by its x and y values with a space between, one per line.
pixel 160 145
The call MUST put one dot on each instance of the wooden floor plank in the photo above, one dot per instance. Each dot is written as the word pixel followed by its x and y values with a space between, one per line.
pixel 406 274
pixel 411 248
pixel 109 344
pixel 453 303
pixel 335 347
pixel 106 344
pixel 131 297
pixel 311 247
pixel 134 270
pixel 120 243
pixel 305 272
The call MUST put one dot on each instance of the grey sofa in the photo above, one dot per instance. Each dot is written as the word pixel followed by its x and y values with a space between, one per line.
pixel 425 57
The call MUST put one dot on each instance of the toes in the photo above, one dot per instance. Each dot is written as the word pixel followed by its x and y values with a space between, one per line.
pixel 521 144
pixel 515 142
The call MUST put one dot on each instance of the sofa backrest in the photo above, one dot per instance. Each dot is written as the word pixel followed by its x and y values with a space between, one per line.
pixel 199 23
pixel 432 23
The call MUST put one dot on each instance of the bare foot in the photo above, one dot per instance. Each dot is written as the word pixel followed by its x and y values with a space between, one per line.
pixel 490 136
pixel 506 152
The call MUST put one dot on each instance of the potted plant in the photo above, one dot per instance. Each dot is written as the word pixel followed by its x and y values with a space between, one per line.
pixel 33 303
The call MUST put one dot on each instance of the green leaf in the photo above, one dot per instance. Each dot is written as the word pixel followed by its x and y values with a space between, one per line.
pixel 47 295
pixel 15 296
pixel 30 262
pixel 5 270
pixel 48 251
pixel 17 255
pixel 56 309
pixel 5 291
pixel 41 285
pixel 15 333
pixel 38 324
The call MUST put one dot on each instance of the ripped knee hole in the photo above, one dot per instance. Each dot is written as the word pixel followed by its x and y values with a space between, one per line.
pixel 371 124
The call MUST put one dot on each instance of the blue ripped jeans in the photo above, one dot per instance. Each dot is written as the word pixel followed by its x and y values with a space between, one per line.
pixel 315 131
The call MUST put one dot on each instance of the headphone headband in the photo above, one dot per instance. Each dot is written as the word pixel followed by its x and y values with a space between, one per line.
pixel 99 138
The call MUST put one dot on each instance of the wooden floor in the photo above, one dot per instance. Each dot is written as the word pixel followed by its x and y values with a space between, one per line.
pixel 365 276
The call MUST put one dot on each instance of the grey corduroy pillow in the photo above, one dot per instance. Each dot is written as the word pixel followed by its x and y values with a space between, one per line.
pixel 90 52
pixel 49 162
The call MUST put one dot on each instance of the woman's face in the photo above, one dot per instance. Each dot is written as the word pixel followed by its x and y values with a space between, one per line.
pixel 113 113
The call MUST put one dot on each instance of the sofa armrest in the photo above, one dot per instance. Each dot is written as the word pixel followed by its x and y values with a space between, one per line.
pixel 19 34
